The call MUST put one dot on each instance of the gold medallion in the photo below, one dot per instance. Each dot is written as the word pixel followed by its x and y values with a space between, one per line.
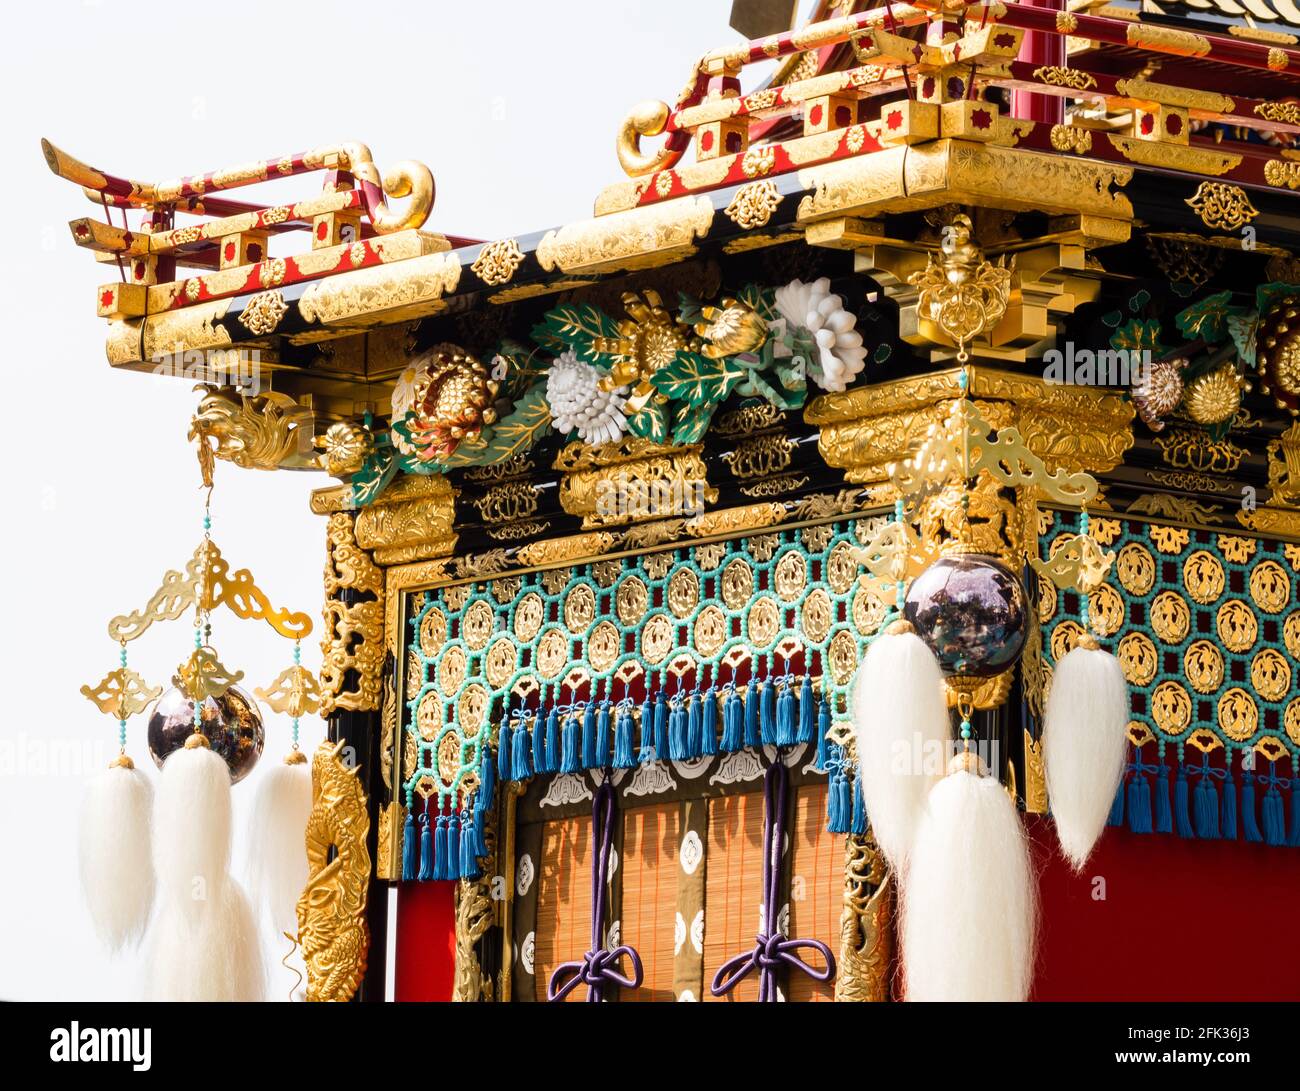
pixel 1203 576
pixel 1137 656
pixel 477 625
pixel 737 584
pixel 817 615
pixel 1269 587
pixel 1270 674
pixel 683 592
pixel 1136 568
pixel 473 709
pixel 868 612
pixel 656 639
pixel 630 601
pixel 428 716
pixel 1046 599
pixel 1291 721
pixel 1170 617
pixel 1203 665
pixel 1171 708
pixel 791 575
pixel 843 657
pixel 1238 715
pixel 1291 634
pixel 1237 626
pixel 433 631
pixel 500 663
pixel 552 654
pixel 579 608
pixel 710 631
pixel 602 646
pixel 1106 609
pixel 448 759
pixel 763 622
pixel 451 672
pixel 528 617
pixel 415 674
pixel 841 568
pixel 1064 637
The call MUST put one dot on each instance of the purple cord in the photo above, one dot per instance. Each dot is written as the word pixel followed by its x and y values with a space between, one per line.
pixel 598 965
pixel 771 947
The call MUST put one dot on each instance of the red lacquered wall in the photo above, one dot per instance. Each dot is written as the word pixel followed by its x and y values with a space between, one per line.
pixel 426 941
pixel 1181 920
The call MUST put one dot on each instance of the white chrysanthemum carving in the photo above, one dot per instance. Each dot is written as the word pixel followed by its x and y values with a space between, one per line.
pixel 579 405
pixel 815 308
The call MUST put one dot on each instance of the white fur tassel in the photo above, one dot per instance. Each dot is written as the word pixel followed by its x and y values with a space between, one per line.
pixel 969 903
pixel 277 870
pixel 903 732
pixel 116 866
pixel 1084 731
pixel 204 944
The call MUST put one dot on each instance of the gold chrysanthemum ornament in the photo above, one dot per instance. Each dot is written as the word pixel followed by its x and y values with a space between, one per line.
pixel 1213 397
pixel 452 398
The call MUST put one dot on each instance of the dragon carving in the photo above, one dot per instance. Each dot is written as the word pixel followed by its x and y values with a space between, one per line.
pixel 332 926
pixel 866 940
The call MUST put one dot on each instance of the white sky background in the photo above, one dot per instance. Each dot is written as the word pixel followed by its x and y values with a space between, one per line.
pixel 513 105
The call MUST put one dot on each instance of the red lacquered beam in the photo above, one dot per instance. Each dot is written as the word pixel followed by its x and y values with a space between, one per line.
pixel 1145 36
pixel 1041 49
pixel 1105 86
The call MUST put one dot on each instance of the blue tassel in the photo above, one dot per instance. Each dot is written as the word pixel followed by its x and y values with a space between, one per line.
pixel 603 740
pixel 785 727
pixel 1116 817
pixel 661 727
pixel 1206 807
pixel 751 714
pixel 647 731
pixel 1139 804
pixel 624 756
pixel 823 736
pixel 1249 825
pixel 1181 819
pixel 1228 819
pixel 453 847
pixel 843 803
pixel 539 742
pixel 807 712
pixel 677 733
pixel 694 727
pixel 480 838
pixel 467 865
pixel 486 786
pixel 410 847
pixel 832 810
pixel 590 747
pixel 1294 839
pixel 569 749
pixel 767 713
pixel 1274 815
pixel 1164 814
pixel 440 848
pixel 503 751
pixel 553 741
pixel 732 715
pixel 709 723
pixel 426 849
pixel 859 808
pixel 519 748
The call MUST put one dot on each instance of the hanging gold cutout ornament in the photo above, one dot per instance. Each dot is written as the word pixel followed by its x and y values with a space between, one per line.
pixel 205 733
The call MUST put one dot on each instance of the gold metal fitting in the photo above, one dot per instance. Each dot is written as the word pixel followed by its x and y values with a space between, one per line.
pixel 197 739
pixel 899 626
pixel 121 762
pixel 295 757
pixel 967 761
pixel 1087 640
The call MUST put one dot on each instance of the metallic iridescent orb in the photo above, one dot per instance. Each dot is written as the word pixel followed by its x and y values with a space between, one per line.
pixel 970 610
pixel 231 722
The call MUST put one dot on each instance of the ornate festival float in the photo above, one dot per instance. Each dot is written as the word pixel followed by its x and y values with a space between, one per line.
pixel 772 586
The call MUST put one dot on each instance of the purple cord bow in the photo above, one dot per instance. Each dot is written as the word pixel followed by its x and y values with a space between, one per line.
pixel 771 947
pixel 597 966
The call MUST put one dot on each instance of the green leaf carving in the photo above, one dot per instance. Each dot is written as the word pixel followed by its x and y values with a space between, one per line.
pixel 513 434
pixel 576 326
pixel 1208 318
pixel 690 423
pixel 374 476
pixel 697 379
pixel 650 422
